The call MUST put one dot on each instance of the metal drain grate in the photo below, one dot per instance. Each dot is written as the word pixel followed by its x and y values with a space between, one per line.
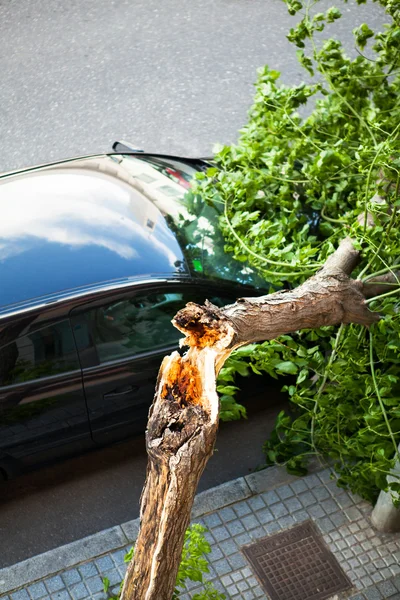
pixel 296 565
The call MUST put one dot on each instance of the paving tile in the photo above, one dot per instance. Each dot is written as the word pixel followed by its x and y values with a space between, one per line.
pixel 221 533
pixel 212 520
pixel 301 516
pixel 396 582
pixel 227 514
pixel 259 593
pixel 37 591
pixel 55 583
pixel 79 591
pixel 243 508
pixel 104 564
pixel 73 576
pixel 114 577
pixel 229 547
pixel 271 528
pixel 316 511
pixel 222 567
pixel 237 576
pixel 118 557
pixel 321 493
pixel 386 573
pixel 242 586
pixel 215 554
pixel 87 570
pixel 395 569
pixel 376 577
pixel 284 492
pixel 373 593
pixel 20 595
pixel 326 525
pixel 326 475
pixel 232 591
pixel 338 519
pixel 353 514
pixel 270 498
pixel 293 504
pixel 256 503
pixel 312 481
pixel 241 540
pixel 248 595
pixel 235 527
pixel 265 516
pixel 387 589
pixel 237 561
pixel 250 522
pixel 366 582
pixel 226 580
pixel 307 499
pixel 279 510
pixel 344 500
pixel 286 522
pixel 61 595
pixel 298 486
pixel 94 584
pixel 367 545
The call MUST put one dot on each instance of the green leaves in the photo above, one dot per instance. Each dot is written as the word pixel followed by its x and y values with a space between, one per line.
pixel 362 34
pixel 193 566
pixel 288 367
pixel 290 190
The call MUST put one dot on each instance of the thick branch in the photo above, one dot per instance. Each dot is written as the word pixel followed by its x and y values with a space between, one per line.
pixel 183 420
pixel 328 298
pixel 381 284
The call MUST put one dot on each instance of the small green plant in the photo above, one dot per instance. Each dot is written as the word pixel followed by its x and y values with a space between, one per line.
pixel 193 566
pixel 288 192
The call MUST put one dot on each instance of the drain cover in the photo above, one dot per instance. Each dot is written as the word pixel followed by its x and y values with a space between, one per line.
pixel 296 565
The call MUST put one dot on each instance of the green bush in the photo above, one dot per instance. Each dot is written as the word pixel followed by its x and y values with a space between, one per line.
pixel 193 566
pixel 292 188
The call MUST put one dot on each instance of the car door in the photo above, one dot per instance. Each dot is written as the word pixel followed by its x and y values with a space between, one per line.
pixel 125 340
pixel 42 404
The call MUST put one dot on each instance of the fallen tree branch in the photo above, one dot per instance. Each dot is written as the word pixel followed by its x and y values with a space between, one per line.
pixel 381 284
pixel 183 420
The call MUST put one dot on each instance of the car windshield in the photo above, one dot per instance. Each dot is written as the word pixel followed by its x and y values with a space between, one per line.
pixel 167 181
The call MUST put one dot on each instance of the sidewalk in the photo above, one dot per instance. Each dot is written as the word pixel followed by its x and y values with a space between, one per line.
pixel 236 514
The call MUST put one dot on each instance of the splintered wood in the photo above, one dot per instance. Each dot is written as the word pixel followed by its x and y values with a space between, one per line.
pixel 183 384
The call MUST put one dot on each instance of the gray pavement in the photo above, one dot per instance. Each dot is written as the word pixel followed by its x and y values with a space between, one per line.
pixel 236 514
pixel 169 76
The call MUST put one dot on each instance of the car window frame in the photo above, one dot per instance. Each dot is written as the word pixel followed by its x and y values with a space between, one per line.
pixel 91 359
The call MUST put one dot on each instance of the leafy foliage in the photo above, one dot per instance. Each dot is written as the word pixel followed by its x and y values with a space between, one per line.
pixel 289 191
pixel 193 566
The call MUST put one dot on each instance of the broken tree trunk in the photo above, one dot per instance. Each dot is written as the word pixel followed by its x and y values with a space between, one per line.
pixel 183 420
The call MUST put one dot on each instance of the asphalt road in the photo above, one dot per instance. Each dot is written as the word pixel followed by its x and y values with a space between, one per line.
pixel 169 76
pixel 67 501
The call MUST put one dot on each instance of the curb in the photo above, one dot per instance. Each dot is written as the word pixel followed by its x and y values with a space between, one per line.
pixel 54 561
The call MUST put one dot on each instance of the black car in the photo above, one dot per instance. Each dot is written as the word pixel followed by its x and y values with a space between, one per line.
pixel 97 254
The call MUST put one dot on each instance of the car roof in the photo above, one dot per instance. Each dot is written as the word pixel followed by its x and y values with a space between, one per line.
pixel 76 225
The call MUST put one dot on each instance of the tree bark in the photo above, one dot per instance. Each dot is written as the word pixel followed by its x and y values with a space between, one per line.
pixel 183 420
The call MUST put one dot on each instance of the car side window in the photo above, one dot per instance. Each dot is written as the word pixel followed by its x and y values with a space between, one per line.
pixel 46 351
pixel 138 324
